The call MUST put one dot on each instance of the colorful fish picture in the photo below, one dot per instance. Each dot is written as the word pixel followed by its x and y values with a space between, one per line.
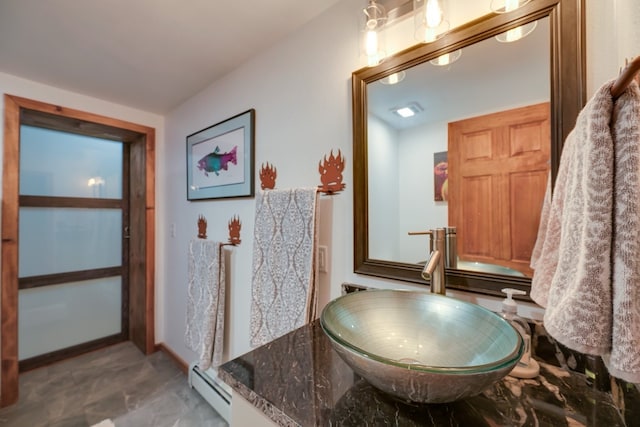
pixel 218 161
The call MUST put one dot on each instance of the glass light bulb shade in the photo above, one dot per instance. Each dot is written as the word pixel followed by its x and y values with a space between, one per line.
pixel 447 58
pixel 433 13
pixel 371 43
pixel 375 16
pixel 373 48
pixel 394 78
pixel 517 33
pixel 504 6
pixel 426 34
pixel 430 21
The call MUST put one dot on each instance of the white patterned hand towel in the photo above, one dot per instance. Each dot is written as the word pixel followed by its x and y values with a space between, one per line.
pixel 283 288
pixel 206 300
pixel 624 358
pixel 572 277
pixel 587 258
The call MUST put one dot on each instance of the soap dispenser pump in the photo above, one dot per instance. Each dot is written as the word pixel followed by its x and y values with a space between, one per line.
pixel 526 367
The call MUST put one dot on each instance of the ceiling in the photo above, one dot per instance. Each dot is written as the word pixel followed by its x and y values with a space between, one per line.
pixel 148 54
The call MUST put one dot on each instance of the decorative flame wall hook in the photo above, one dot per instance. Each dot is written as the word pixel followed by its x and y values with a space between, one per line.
pixel 234 230
pixel 202 227
pixel 331 174
pixel 268 175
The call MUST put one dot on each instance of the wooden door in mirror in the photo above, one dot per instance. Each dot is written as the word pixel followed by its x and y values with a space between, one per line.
pixel 497 177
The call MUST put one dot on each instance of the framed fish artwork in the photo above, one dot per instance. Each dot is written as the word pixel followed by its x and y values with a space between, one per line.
pixel 220 159
pixel 440 177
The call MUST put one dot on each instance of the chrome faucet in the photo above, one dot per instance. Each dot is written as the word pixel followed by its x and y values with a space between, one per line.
pixel 434 268
pixel 442 253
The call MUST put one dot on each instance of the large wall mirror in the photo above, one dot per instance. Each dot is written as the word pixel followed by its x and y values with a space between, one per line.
pixel 485 137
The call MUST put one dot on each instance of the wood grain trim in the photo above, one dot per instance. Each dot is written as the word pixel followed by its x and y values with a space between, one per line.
pixel 9 292
pixel 73 351
pixel 73 276
pixel 69 202
pixel 58 110
pixel 150 245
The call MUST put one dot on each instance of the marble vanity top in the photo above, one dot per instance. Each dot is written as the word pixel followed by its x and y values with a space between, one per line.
pixel 298 380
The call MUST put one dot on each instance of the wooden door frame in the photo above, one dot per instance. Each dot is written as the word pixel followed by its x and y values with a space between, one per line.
pixel 142 221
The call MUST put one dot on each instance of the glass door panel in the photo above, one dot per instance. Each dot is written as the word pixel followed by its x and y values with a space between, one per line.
pixel 58 240
pixel 61 316
pixel 72 213
pixel 62 164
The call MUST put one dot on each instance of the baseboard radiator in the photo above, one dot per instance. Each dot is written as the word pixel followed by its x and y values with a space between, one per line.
pixel 212 389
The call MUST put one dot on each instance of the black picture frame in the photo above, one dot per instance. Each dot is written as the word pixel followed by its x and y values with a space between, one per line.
pixel 220 159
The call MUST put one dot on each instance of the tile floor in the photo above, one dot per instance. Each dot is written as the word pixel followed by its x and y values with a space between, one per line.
pixel 118 383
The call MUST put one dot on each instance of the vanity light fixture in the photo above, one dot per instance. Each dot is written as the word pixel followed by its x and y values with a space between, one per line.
pixel 430 19
pixel 375 18
pixel 447 58
pixel 515 34
pixel 394 78
pixel 408 110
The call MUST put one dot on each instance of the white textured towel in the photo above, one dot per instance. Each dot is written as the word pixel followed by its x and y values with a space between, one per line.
pixel 206 300
pixel 623 360
pixel 283 293
pixel 587 257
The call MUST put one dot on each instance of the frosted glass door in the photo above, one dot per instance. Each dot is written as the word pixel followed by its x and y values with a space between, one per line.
pixel 70 241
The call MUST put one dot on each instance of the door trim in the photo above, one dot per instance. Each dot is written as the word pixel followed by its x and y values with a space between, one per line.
pixel 142 293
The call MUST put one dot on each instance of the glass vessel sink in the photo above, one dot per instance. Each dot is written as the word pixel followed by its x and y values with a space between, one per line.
pixel 421 347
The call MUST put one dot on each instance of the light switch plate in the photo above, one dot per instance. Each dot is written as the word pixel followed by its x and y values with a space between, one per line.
pixel 323 259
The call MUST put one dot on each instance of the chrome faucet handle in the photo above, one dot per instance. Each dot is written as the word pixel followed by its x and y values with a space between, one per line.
pixel 431 234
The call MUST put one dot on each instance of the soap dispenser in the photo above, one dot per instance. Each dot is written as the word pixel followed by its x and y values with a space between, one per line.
pixel 526 367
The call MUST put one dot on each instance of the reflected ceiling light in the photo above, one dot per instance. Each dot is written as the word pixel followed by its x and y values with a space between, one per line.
pixel 408 110
pixel 375 18
pixel 95 181
pixel 515 34
pixel 447 58
pixel 430 19
pixel 393 78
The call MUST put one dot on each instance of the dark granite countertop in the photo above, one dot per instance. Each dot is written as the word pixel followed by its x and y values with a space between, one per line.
pixel 299 380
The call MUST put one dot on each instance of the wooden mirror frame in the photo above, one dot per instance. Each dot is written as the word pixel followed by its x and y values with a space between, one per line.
pixel 567 99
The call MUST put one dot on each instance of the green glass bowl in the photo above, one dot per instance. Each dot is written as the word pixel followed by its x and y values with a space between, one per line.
pixel 421 347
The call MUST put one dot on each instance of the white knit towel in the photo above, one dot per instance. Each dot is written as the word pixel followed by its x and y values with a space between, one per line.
pixel 284 284
pixel 623 360
pixel 206 302
pixel 586 257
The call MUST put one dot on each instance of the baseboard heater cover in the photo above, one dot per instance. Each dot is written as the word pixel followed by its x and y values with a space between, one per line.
pixel 213 390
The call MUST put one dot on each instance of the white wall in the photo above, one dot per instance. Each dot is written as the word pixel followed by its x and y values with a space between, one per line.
pixel 301 92
pixel 613 35
pixel 418 210
pixel 384 204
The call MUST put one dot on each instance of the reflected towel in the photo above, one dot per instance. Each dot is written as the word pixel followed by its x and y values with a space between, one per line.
pixel 586 257
pixel 206 300
pixel 283 293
